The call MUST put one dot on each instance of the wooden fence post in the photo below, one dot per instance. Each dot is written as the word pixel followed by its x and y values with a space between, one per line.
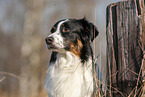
pixel 124 48
pixel 143 42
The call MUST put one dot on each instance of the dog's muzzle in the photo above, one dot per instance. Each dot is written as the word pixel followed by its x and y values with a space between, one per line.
pixel 49 40
pixel 50 43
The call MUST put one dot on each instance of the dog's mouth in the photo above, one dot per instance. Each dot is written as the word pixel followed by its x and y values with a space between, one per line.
pixel 51 46
pixel 54 43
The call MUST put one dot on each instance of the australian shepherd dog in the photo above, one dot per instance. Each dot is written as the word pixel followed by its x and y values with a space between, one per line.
pixel 70 71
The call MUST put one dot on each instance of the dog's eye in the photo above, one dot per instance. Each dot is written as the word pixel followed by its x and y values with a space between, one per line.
pixel 64 29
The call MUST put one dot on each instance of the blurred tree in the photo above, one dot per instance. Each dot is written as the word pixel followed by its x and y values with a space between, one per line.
pixel 11 23
pixel 31 50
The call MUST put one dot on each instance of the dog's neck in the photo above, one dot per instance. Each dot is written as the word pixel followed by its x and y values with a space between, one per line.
pixel 67 59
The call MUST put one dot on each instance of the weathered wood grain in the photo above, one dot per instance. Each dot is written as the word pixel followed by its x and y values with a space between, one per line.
pixel 124 47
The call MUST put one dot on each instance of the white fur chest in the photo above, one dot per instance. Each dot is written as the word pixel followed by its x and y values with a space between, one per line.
pixel 68 77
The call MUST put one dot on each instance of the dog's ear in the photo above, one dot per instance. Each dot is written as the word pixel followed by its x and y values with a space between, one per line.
pixel 94 31
pixel 89 29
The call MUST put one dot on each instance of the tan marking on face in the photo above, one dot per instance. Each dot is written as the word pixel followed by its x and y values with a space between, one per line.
pixel 76 49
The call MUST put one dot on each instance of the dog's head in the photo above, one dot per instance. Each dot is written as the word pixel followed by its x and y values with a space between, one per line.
pixel 71 35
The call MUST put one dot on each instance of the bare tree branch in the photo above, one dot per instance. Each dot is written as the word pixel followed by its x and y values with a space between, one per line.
pixel 10 74
pixel 3 78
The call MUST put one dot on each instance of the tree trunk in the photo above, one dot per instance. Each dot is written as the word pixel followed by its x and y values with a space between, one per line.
pixel 124 48
pixel 30 52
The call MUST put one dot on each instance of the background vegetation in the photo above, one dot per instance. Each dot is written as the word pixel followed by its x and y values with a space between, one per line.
pixel 24 24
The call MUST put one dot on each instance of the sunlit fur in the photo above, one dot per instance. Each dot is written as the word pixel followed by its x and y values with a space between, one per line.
pixel 70 69
pixel 68 78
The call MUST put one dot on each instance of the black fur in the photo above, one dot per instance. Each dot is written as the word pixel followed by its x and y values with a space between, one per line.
pixel 53 57
pixel 88 30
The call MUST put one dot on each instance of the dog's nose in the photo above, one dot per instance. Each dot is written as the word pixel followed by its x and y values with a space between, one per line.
pixel 49 40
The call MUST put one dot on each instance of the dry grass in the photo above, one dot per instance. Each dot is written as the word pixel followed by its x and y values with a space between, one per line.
pixel 3 93
pixel 99 92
